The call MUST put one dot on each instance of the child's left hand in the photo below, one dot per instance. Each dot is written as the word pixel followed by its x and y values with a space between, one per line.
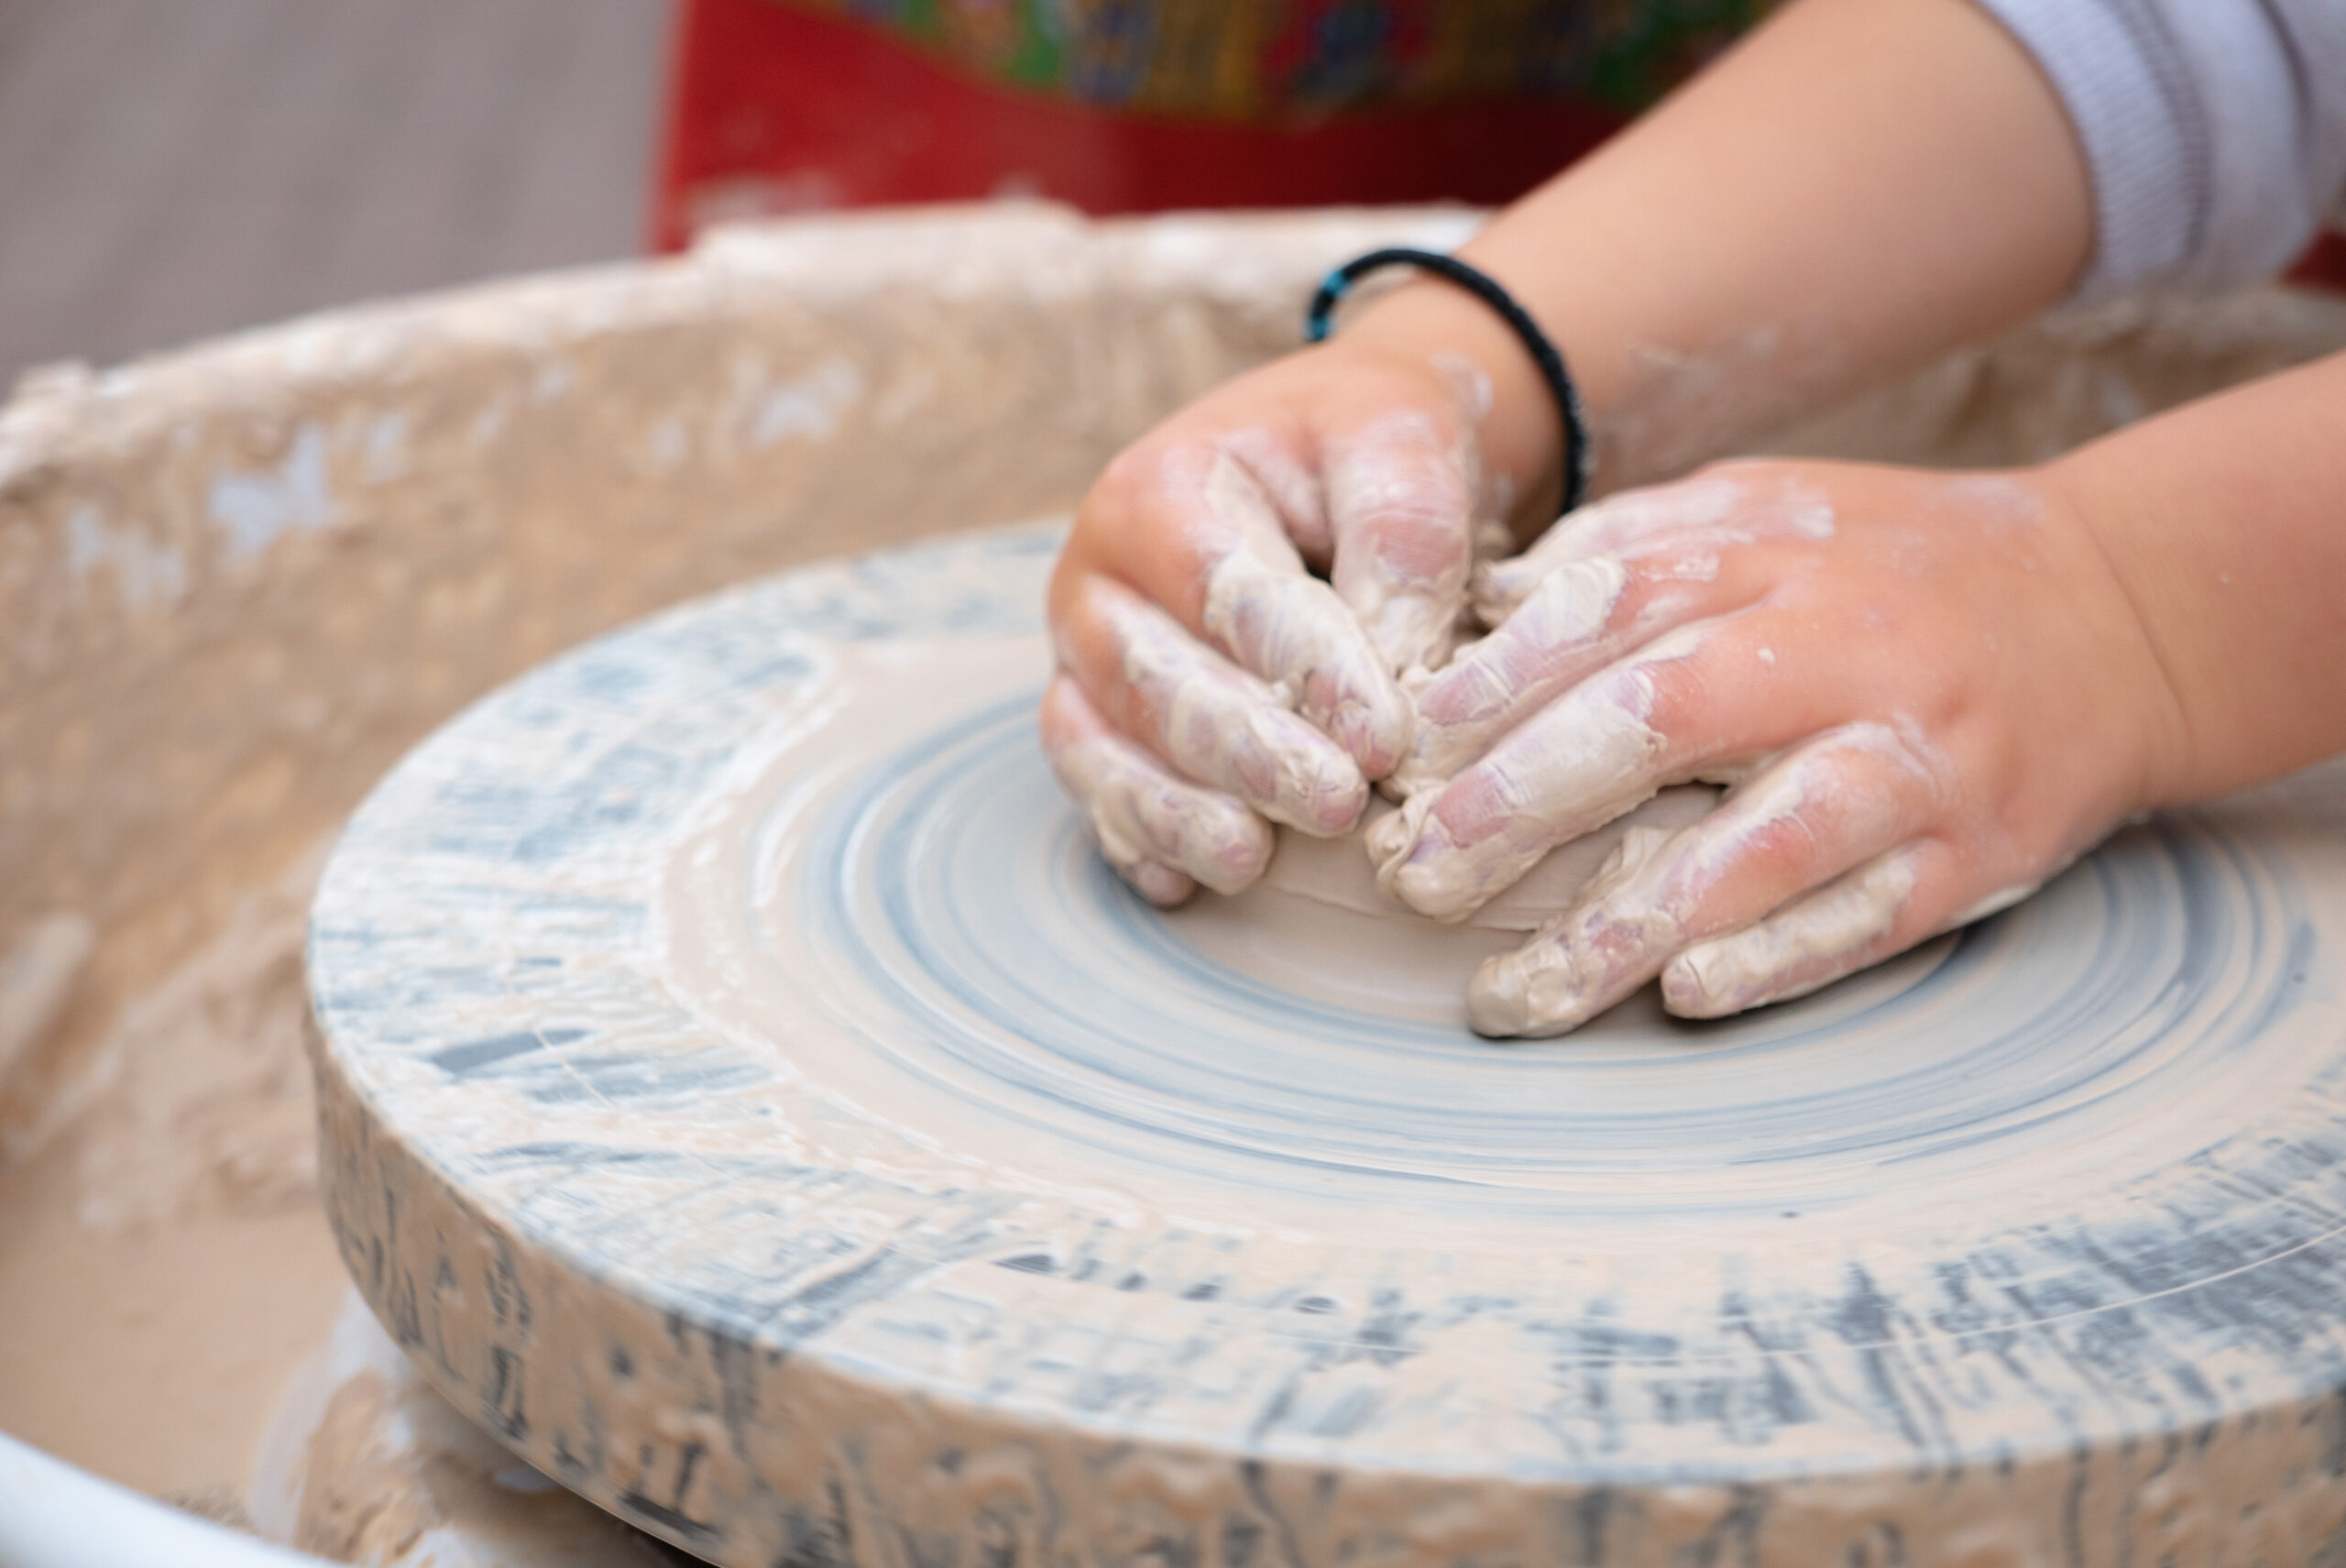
pixel 1932 688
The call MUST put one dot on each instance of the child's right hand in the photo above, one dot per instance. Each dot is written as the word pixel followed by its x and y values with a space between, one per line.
pixel 1207 683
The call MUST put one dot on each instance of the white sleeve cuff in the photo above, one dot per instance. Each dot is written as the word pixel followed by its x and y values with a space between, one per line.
pixel 2212 153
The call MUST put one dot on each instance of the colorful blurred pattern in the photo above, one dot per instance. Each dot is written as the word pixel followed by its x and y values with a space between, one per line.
pixel 1246 60
pixel 1136 105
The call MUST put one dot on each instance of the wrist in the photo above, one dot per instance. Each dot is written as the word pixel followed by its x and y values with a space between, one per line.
pixel 2114 609
pixel 1519 429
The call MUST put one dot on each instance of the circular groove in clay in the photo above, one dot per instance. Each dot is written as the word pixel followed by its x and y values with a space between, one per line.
pixel 744 1090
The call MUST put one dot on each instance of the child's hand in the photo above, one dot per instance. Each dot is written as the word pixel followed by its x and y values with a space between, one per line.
pixel 1207 680
pixel 1934 688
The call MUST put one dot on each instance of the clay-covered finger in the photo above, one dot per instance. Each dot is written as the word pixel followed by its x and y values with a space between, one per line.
pixel 1690 524
pixel 1214 723
pixel 1163 834
pixel 1872 913
pixel 1401 493
pixel 1802 821
pixel 1584 759
pixel 1693 703
pixel 1208 530
pixel 1859 918
pixel 1583 615
pixel 1282 624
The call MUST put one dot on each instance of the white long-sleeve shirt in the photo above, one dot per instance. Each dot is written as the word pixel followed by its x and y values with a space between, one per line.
pixel 2214 130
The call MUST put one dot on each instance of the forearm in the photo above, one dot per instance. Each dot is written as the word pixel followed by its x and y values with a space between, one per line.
pixel 1863 184
pixel 2225 521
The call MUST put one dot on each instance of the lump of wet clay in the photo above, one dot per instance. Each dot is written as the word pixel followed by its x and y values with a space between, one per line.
pixel 1338 871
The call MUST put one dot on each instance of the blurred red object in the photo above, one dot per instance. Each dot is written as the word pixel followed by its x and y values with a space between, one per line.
pixel 2323 265
pixel 777 107
pixel 773 109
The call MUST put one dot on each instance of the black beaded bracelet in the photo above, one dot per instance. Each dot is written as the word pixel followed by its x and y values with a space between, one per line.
pixel 1579 454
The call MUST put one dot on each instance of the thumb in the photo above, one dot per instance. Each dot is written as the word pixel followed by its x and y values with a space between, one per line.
pixel 1401 500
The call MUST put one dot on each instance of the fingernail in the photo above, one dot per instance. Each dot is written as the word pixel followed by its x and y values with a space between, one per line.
pixel 1688 992
pixel 1374 731
pixel 1723 976
pixel 1323 787
pixel 1337 801
pixel 1565 981
pixel 1235 854
pixel 1316 789
pixel 1499 999
pixel 1418 863
pixel 1219 844
pixel 1435 878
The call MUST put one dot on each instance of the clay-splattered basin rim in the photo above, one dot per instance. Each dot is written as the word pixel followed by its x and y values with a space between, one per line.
pixel 236 582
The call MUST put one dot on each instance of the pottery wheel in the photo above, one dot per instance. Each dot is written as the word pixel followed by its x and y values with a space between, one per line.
pixel 746 1092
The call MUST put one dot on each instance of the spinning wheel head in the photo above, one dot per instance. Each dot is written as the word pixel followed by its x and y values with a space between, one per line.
pixel 747 1093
